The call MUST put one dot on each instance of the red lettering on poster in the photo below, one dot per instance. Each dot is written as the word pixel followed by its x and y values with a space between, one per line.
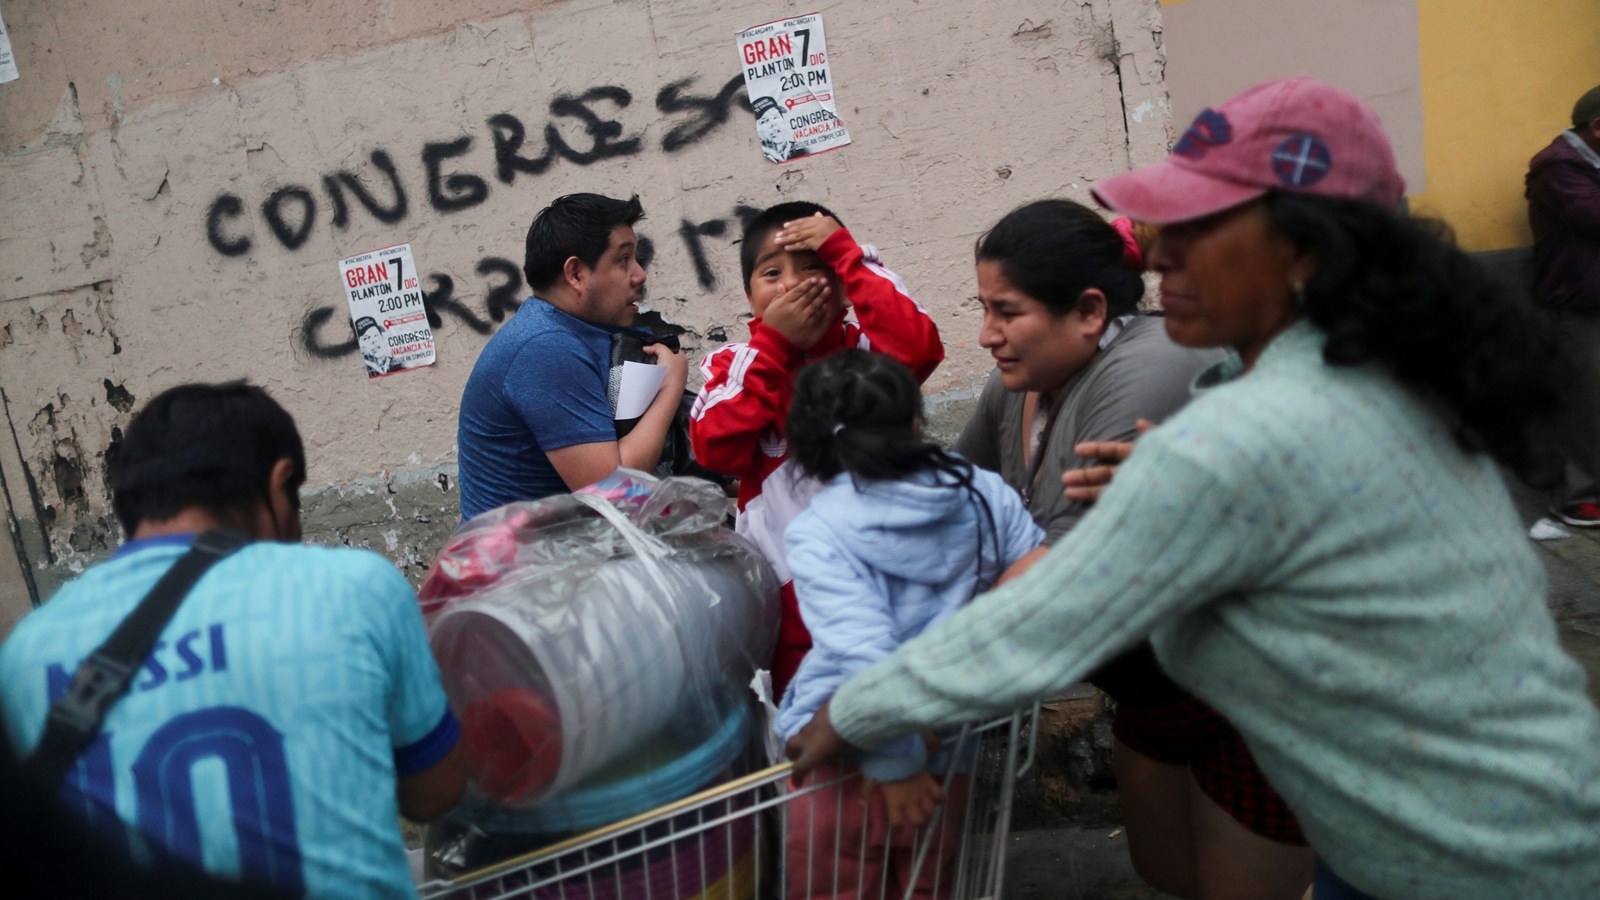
pixel 373 273
pixel 771 48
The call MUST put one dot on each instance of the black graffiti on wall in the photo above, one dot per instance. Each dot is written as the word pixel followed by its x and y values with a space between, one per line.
pixel 692 232
pixel 504 290
pixel 581 129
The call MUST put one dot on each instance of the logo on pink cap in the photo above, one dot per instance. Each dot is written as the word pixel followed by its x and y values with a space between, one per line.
pixel 1296 134
pixel 1302 161
pixel 1209 129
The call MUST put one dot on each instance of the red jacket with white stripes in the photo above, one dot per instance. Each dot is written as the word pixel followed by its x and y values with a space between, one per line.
pixel 737 423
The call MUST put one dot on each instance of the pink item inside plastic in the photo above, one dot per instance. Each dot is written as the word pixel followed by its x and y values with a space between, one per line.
pixel 513 742
pixel 471 561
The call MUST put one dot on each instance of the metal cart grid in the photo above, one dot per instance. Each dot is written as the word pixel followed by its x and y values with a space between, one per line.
pixel 729 842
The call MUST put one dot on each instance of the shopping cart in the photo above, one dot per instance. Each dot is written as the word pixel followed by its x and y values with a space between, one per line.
pixel 729 842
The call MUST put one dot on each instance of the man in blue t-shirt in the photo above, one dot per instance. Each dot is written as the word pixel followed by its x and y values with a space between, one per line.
pixel 536 415
pixel 291 710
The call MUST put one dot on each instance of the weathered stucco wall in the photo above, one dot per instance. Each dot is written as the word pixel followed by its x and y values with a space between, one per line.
pixel 1368 47
pixel 178 179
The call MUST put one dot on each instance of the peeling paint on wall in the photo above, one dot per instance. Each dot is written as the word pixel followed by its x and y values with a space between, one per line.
pixel 118 397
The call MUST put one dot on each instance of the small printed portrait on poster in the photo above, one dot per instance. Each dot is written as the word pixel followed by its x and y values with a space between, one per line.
pixel 374 341
pixel 777 138
pixel 387 312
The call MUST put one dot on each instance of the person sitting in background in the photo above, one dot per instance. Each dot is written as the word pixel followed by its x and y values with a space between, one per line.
pixel 1563 190
pixel 1075 363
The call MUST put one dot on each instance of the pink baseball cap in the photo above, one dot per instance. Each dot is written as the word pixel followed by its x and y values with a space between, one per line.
pixel 1297 134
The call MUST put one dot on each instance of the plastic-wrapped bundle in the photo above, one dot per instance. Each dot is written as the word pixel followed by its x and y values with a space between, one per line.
pixel 577 629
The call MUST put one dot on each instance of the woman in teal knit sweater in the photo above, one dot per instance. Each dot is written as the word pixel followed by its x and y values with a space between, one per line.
pixel 1319 544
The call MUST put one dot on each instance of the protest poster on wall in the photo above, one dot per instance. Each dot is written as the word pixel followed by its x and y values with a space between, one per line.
pixel 791 88
pixel 386 310
pixel 8 63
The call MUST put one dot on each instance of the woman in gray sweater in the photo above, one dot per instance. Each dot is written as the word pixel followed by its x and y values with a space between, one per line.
pixel 1075 362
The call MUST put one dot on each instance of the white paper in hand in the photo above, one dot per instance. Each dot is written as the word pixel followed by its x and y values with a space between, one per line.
pixel 640 384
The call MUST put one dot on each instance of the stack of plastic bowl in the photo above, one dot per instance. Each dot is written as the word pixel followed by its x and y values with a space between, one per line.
pixel 596 649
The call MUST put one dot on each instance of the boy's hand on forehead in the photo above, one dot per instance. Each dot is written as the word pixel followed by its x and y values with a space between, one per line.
pixel 804 313
pixel 806 234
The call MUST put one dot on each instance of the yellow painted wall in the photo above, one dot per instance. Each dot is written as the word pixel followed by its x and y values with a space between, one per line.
pixel 1498 82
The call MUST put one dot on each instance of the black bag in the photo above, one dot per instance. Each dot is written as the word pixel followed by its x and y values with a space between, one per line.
pixel 677 456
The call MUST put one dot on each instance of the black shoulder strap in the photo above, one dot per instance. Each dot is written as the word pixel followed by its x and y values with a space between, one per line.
pixel 76 716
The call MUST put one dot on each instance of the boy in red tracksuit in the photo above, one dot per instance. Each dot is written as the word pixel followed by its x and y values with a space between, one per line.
pixel 802 273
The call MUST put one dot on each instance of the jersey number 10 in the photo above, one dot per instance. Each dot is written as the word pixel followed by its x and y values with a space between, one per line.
pixel 250 751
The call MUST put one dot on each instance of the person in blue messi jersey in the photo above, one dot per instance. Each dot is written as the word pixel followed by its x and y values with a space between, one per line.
pixel 290 712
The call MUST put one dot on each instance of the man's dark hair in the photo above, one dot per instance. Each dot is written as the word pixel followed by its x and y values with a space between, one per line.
pixel 1587 109
pixel 211 446
pixel 766 222
pixel 574 225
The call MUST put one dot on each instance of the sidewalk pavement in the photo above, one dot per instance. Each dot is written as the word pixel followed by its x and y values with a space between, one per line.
pixel 1573 566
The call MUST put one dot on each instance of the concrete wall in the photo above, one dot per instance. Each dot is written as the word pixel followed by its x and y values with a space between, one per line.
pixel 172 174
pixel 16 589
pixel 1216 48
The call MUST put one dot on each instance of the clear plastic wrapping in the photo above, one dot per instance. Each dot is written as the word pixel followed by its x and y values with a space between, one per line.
pixel 597 645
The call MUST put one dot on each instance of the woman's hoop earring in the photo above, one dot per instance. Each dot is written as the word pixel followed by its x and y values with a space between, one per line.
pixel 1299 288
